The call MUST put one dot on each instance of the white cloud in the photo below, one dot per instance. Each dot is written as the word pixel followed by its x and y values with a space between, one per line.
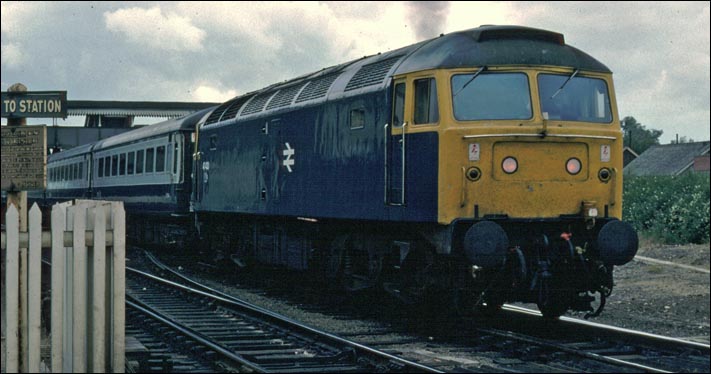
pixel 150 27
pixel 465 15
pixel 206 93
pixel 12 56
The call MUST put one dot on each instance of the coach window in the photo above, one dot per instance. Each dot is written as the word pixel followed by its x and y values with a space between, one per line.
pixel 131 162
pixel 101 168
pixel 114 165
pixel 122 164
pixel 81 170
pixel 160 159
pixel 107 166
pixel 426 108
pixel 139 162
pixel 399 105
pixel 149 159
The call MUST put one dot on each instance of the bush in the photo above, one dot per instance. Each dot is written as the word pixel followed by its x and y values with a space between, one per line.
pixel 673 209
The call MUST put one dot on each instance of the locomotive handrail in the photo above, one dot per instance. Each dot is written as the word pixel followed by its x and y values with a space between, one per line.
pixel 402 170
pixel 538 135
pixel 385 185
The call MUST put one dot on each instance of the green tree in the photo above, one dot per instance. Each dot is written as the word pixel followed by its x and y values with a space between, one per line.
pixel 636 135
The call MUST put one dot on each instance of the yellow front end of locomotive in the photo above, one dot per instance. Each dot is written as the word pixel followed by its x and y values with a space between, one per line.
pixel 543 166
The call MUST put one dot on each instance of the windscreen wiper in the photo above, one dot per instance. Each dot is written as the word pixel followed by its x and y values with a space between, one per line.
pixel 566 82
pixel 470 80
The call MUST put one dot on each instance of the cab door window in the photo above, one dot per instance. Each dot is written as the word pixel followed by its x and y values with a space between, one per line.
pixel 426 108
pixel 399 104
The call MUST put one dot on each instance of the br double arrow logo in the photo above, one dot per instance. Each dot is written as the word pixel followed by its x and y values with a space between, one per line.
pixel 288 161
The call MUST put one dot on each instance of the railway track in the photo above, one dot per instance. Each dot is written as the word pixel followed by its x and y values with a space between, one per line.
pixel 633 349
pixel 252 338
pixel 520 340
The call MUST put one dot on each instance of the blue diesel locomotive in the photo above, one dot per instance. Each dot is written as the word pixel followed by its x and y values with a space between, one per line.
pixel 483 164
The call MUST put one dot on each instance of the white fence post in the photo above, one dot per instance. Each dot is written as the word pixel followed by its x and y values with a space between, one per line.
pixel 12 266
pixel 59 219
pixel 79 299
pixel 88 288
pixel 118 287
pixel 34 290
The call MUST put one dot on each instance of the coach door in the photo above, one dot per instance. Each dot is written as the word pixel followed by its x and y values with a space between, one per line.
pixel 395 149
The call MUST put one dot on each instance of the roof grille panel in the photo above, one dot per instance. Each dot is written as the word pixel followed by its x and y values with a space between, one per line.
pixel 317 87
pixel 231 111
pixel 257 104
pixel 217 113
pixel 371 74
pixel 284 96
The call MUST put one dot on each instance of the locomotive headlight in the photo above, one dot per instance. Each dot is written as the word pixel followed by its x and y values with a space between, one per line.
pixel 604 174
pixel 510 165
pixel 473 174
pixel 573 166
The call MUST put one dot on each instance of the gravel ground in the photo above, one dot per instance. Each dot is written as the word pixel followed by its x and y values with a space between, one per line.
pixel 663 299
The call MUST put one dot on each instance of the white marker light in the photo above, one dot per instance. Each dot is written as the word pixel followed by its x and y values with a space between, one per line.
pixel 510 165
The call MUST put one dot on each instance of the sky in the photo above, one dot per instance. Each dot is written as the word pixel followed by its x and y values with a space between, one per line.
pixel 211 52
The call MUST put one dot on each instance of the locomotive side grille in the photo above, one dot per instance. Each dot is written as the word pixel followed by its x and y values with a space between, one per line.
pixel 231 111
pixel 257 105
pixel 217 113
pixel 371 74
pixel 317 88
pixel 284 96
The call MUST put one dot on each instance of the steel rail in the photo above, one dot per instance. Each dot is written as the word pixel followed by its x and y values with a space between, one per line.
pixel 226 352
pixel 230 300
pixel 662 338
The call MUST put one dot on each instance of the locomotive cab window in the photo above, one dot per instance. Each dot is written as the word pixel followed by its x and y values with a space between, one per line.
pixel 495 96
pixel 426 108
pixel 574 98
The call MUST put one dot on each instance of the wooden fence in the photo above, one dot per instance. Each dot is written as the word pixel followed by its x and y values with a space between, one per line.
pixel 87 241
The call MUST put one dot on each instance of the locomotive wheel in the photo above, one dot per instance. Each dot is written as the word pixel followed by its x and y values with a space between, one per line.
pixel 552 302
pixel 357 264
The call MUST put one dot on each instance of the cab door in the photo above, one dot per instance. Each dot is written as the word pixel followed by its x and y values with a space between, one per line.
pixel 395 148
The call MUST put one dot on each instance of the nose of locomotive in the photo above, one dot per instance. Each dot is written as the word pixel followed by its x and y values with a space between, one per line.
pixel 617 243
pixel 485 244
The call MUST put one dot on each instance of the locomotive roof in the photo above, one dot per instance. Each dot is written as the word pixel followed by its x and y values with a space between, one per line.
pixel 183 123
pixel 498 45
pixel 482 46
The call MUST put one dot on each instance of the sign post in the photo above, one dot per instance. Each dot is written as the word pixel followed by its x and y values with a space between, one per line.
pixel 24 168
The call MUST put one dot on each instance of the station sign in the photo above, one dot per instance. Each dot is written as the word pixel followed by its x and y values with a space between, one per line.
pixel 40 104
pixel 24 157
